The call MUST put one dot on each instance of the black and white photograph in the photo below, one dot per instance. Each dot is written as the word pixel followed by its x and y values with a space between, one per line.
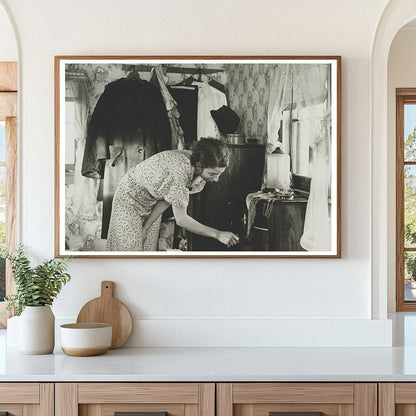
pixel 197 157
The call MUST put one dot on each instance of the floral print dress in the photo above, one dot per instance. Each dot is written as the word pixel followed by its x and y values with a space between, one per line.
pixel 167 176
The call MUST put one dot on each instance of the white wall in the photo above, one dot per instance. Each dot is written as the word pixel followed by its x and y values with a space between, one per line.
pixel 8 46
pixel 211 302
pixel 401 74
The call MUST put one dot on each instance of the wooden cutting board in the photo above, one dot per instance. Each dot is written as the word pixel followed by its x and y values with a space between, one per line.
pixel 107 309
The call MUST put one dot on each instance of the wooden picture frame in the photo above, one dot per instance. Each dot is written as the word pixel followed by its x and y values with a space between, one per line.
pixel 405 97
pixel 279 117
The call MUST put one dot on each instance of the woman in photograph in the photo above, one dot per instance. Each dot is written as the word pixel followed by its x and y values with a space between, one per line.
pixel 163 180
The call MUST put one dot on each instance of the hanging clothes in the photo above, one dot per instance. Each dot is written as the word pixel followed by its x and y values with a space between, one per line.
pixel 178 141
pixel 128 125
pixel 209 98
pixel 187 98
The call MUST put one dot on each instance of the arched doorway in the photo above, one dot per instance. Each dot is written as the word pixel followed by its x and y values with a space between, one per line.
pixel 397 14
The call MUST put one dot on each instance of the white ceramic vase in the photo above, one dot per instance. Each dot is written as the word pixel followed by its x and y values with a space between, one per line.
pixel 37 330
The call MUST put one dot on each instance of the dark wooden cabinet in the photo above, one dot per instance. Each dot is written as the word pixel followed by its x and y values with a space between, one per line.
pixel 222 204
pixel 278 225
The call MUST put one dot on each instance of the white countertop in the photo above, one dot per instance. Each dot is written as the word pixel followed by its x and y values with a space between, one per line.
pixel 214 364
pixel 221 364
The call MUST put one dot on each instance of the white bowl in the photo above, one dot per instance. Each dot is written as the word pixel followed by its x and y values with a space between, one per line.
pixel 83 340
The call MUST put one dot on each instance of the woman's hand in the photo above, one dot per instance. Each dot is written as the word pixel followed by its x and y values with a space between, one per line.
pixel 184 220
pixel 228 238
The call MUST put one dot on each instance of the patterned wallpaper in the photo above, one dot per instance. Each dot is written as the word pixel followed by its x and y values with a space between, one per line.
pixel 248 90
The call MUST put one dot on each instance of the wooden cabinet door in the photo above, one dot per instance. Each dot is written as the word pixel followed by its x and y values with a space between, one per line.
pixel 27 399
pixel 397 399
pixel 326 399
pixel 282 228
pixel 107 399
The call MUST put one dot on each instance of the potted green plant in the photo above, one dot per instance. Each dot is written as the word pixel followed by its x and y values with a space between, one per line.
pixel 36 289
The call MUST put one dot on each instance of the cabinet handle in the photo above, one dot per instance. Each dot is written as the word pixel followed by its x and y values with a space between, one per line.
pixel 138 414
pixel 296 414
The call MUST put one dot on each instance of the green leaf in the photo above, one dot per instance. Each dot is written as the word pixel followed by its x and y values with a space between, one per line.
pixel 35 286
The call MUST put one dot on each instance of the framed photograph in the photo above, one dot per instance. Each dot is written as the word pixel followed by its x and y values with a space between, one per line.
pixel 198 156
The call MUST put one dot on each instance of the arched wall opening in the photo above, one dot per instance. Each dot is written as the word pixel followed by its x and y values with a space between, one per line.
pixel 397 14
pixel 401 72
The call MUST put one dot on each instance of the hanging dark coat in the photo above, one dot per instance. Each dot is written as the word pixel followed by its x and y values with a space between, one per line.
pixel 129 124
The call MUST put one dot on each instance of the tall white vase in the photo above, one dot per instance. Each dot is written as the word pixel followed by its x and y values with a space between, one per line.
pixel 37 330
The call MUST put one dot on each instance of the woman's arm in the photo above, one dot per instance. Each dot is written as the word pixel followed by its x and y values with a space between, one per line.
pixel 184 220
pixel 158 209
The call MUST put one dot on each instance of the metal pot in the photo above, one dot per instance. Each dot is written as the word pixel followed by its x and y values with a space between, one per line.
pixel 236 138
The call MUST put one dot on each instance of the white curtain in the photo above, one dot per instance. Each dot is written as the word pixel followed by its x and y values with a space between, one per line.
pixel 294 86
pixel 85 189
pixel 310 84
pixel 312 94
pixel 280 99
pixel 317 229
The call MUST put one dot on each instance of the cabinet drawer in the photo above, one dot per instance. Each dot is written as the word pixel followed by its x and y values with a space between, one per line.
pixel 21 399
pixel 172 399
pixel 268 399
pixel 138 393
pixel 19 393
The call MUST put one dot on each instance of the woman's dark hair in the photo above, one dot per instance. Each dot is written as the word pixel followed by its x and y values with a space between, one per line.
pixel 211 153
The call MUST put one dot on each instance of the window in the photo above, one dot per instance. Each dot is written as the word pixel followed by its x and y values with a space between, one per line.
pixel 406 199
pixel 8 156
